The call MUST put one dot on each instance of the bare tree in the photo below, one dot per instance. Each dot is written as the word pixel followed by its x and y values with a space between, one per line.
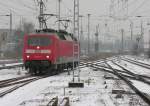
pixel 28 27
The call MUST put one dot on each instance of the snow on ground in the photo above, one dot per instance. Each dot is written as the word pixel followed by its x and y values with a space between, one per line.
pixel 114 66
pixel 143 60
pixel 54 86
pixel 9 61
pixel 14 64
pixel 142 87
pixel 135 68
pixel 12 73
pixel 96 92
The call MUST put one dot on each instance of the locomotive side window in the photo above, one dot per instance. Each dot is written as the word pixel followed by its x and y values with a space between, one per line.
pixel 39 41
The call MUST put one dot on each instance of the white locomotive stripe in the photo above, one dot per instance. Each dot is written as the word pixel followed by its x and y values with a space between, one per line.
pixel 38 51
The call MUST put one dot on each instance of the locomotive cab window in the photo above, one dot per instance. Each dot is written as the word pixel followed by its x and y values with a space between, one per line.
pixel 39 41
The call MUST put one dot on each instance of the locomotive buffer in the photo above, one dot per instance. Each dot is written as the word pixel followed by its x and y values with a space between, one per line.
pixel 76 53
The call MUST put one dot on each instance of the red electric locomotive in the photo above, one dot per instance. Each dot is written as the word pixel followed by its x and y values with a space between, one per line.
pixel 49 50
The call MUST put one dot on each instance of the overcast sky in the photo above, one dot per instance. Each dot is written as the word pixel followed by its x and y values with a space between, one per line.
pixel 28 10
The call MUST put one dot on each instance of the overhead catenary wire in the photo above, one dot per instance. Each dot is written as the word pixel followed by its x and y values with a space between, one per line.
pixel 142 4
pixel 65 6
pixel 10 8
pixel 26 5
pixel 16 12
pixel 130 4
pixel 15 9
pixel 145 11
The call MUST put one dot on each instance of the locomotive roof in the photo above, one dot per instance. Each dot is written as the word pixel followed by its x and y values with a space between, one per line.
pixel 61 34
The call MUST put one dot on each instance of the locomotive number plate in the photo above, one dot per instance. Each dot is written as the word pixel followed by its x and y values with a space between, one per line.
pixel 37 51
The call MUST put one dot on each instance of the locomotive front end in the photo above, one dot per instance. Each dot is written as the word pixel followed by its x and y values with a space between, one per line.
pixel 37 54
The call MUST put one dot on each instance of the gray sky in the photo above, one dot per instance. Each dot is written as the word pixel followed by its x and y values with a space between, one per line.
pixel 28 10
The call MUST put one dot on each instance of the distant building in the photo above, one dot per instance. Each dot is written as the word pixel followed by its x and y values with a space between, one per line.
pixel 5 39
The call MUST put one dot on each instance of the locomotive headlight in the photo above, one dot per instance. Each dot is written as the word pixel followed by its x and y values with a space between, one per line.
pixel 47 57
pixel 38 47
pixel 28 56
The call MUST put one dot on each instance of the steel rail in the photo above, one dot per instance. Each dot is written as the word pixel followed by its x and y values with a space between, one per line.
pixel 141 94
pixel 18 86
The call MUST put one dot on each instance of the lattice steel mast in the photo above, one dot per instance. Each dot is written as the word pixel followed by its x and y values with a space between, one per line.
pixel 41 16
pixel 76 33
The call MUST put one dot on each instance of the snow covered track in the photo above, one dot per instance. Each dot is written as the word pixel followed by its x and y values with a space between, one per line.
pixel 12 80
pixel 20 82
pixel 15 81
pixel 122 73
pixel 135 75
pixel 137 63
pixel 102 87
pixel 144 96
pixel 98 62
pixel 9 66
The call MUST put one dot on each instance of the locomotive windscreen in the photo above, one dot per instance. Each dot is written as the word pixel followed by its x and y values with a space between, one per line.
pixel 39 41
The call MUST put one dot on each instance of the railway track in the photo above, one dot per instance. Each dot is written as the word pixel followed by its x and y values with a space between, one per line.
pixel 11 66
pixel 137 63
pixel 103 65
pixel 144 96
pixel 105 68
pixel 142 78
pixel 13 79
pixel 124 74
pixel 16 83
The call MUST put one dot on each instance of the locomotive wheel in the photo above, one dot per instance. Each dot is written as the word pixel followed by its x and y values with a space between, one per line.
pixel 32 71
pixel 42 71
